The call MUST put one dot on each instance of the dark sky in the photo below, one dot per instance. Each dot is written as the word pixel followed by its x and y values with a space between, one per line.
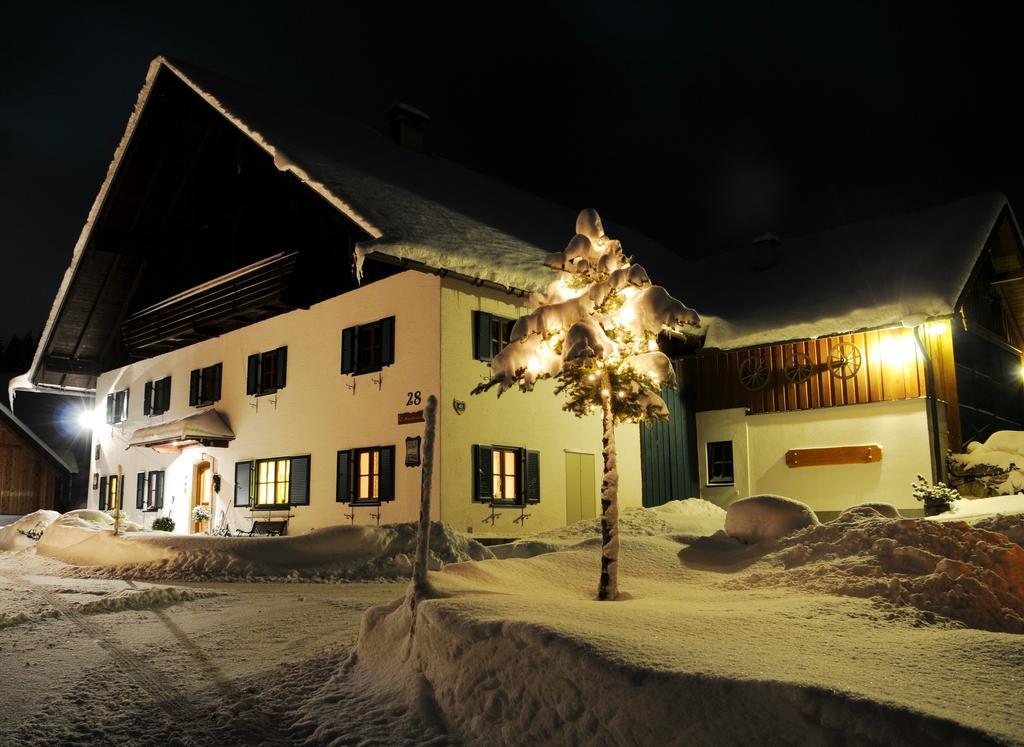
pixel 701 125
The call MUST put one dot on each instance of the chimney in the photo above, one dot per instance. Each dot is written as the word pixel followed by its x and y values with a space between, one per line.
pixel 408 126
pixel 767 251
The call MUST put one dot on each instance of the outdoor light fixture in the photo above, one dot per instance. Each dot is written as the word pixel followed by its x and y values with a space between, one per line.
pixel 89 419
pixel 898 351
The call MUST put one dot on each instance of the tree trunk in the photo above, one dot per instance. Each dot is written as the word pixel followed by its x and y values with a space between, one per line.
pixel 419 574
pixel 609 586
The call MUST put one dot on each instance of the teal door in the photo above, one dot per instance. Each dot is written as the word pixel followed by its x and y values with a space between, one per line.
pixel 668 451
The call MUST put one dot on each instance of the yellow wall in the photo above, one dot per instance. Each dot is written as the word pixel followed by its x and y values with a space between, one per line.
pixel 532 420
pixel 316 412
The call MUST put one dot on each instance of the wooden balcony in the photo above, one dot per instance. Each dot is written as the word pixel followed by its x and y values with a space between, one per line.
pixel 257 291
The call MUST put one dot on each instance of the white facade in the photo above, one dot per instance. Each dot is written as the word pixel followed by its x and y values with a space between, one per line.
pixel 321 411
pixel 760 443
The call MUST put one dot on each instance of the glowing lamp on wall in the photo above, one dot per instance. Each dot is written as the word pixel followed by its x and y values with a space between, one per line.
pixel 90 420
pixel 898 351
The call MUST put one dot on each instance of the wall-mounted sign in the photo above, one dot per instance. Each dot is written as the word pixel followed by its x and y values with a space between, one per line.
pixel 459 406
pixel 404 418
pixel 95 480
pixel 867 454
pixel 412 451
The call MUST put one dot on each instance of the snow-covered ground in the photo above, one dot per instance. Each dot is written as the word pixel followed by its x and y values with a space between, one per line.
pixel 866 630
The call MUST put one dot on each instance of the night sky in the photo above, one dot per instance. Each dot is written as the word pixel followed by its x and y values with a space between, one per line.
pixel 702 126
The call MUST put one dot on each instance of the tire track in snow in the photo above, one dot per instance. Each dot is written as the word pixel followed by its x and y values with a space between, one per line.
pixel 174 702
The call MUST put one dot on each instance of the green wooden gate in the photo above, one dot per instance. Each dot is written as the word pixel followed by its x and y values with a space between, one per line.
pixel 668 451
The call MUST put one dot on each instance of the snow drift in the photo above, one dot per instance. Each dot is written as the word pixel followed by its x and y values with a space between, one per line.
pixel 19 535
pixel 766 517
pixel 85 538
pixel 995 467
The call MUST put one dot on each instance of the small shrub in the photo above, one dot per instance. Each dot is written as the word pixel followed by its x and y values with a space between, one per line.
pixel 200 514
pixel 938 498
pixel 163 524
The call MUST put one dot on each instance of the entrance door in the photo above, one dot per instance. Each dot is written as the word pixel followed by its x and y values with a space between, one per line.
pixel 202 490
pixel 580 494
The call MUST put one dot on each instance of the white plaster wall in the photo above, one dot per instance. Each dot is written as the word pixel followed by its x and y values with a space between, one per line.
pixel 316 412
pixel 532 420
pixel 760 443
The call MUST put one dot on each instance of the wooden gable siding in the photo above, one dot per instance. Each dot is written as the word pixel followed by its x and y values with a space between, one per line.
pixel 881 376
pixel 27 480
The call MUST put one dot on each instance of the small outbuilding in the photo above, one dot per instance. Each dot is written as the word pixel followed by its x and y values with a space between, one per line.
pixel 32 475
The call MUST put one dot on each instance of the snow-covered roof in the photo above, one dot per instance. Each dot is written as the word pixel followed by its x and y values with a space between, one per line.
pixel 418 208
pixel 872 274
pixel 201 426
pixel 12 421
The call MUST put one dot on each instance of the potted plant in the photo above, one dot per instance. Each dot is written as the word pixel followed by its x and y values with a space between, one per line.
pixel 201 515
pixel 937 498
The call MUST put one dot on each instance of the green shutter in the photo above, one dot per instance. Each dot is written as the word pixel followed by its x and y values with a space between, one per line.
pixel 482 336
pixel 217 374
pixel 147 402
pixel 242 478
pixel 140 490
pixel 387 341
pixel 110 408
pixel 282 367
pixel 165 394
pixel 193 387
pixel 298 481
pixel 103 494
pixel 483 473
pixel 348 350
pixel 531 476
pixel 252 377
pixel 387 473
pixel 160 489
pixel 345 477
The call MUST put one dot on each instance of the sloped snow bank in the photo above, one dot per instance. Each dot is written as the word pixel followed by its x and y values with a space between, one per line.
pixel 950 569
pixel 517 652
pixel 692 517
pixel 766 517
pixel 995 467
pixel 19 535
pixel 333 553
pixel 969 509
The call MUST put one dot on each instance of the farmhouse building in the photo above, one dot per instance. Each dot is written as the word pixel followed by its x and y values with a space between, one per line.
pixel 32 475
pixel 263 297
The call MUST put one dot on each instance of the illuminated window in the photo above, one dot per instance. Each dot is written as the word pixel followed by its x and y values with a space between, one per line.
pixel 720 464
pixel 272 481
pixel 113 492
pixel 504 467
pixel 366 475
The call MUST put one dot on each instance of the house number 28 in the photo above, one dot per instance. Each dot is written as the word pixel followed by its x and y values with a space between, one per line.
pixel 414 398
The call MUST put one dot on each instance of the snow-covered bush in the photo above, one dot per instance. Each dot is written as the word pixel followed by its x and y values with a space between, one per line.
pixel 995 467
pixel 938 498
pixel 163 524
pixel 201 514
pixel 762 518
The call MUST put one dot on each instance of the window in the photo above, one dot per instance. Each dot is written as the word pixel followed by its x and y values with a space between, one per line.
pixel 366 475
pixel 117 407
pixel 111 492
pixel 272 483
pixel 204 386
pixel 157 397
pixel 368 347
pixel 490 334
pixel 149 490
pixel 504 474
pixel 266 372
pixel 720 471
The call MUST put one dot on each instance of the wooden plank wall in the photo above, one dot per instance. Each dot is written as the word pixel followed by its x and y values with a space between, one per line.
pixel 882 375
pixel 27 480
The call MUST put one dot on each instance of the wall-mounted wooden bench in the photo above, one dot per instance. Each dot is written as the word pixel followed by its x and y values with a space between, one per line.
pixel 834 455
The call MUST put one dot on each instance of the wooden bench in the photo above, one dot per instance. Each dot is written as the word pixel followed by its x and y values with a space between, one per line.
pixel 265 528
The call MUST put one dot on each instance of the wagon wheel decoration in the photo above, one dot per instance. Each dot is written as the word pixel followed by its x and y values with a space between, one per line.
pixel 754 373
pixel 799 369
pixel 844 359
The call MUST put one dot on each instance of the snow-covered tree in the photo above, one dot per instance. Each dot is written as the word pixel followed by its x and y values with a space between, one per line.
pixel 595 330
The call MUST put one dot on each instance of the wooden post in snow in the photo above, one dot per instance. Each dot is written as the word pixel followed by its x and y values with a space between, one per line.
pixel 419 570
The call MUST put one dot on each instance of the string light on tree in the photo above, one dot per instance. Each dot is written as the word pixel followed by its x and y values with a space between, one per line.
pixel 595 331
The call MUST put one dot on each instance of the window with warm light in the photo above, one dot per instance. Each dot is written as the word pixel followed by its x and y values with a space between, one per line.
pixel 366 475
pixel 272 482
pixel 505 474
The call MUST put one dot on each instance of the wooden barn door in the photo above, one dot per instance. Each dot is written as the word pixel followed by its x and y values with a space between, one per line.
pixel 669 451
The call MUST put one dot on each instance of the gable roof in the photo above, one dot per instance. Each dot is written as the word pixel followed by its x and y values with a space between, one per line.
pixel 9 419
pixel 420 210
pixel 872 274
